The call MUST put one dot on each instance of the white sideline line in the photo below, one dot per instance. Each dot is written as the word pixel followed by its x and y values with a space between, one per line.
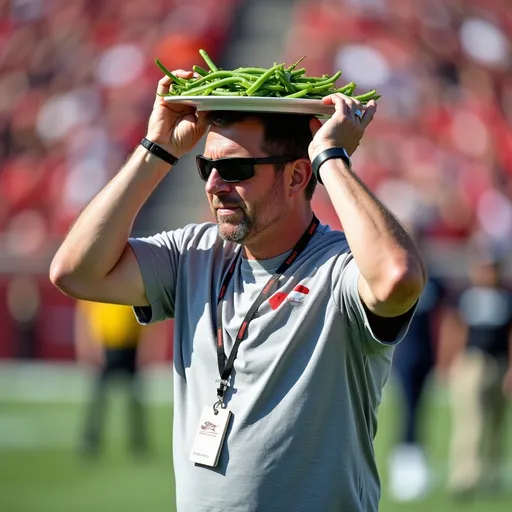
pixel 19 433
pixel 69 383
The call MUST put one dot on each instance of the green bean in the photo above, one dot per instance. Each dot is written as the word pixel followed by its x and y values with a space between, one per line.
pixel 194 91
pixel 217 92
pixel 250 77
pixel 208 61
pixel 295 64
pixel 298 72
pixel 175 79
pixel 209 78
pixel 264 94
pixel 329 81
pixel 262 79
pixel 272 87
pixel 309 79
pixel 366 97
pixel 323 88
pixel 347 88
pixel 284 78
pixel 251 70
pixel 298 94
pixel 199 70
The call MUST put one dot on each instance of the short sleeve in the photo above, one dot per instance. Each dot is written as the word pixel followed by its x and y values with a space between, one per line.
pixel 346 296
pixel 158 257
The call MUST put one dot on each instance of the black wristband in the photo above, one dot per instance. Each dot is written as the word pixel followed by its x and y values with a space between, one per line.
pixel 158 151
pixel 327 155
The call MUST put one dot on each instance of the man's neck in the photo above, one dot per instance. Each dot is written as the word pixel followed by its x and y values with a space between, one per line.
pixel 278 238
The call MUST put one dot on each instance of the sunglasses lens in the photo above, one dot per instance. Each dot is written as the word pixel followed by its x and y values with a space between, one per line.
pixel 233 171
pixel 204 168
pixel 230 170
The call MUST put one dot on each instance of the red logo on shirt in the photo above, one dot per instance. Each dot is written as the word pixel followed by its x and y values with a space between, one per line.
pixel 295 298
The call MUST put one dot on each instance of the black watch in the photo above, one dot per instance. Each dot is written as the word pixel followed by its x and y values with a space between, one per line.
pixel 327 155
pixel 158 151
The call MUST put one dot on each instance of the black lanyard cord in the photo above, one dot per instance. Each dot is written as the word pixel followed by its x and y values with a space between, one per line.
pixel 226 364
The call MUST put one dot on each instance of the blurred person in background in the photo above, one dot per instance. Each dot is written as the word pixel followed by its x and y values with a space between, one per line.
pixel 480 378
pixel 107 336
pixel 413 362
pixel 24 307
pixel 304 379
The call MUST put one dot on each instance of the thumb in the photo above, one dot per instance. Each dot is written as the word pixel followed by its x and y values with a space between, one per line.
pixel 314 125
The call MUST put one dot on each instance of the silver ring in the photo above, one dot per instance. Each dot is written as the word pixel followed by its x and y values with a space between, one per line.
pixel 358 114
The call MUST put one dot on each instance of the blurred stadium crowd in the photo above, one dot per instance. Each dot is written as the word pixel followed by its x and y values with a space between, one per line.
pixel 77 81
pixel 439 152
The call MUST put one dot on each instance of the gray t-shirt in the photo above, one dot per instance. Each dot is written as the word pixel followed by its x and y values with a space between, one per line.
pixel 306 384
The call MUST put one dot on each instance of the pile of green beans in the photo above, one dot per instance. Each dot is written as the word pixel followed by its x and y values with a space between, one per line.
pixel 278 81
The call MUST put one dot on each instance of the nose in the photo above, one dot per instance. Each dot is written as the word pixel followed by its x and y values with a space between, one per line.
pixel 216 184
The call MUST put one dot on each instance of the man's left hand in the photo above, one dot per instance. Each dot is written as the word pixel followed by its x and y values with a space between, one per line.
pixel 345 128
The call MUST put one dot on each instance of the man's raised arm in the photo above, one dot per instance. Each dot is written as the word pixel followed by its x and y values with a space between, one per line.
pixel 95 261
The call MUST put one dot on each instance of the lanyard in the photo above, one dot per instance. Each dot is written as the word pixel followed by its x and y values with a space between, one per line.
pixel 226 363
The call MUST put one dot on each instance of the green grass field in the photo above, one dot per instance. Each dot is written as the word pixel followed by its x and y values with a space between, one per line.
pixel 40 471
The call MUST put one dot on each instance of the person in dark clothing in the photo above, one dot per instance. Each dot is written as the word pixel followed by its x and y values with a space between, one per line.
pixel 413 360
pixel 478 378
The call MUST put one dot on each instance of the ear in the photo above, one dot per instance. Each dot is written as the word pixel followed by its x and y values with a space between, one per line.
pixel 299 175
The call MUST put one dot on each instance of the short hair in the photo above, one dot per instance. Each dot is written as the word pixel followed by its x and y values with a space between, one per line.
pixel 283 135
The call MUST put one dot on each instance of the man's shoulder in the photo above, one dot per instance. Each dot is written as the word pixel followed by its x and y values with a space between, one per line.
pixel 202 241
pixel 204 234
pixel 202 238
pixel 331 240
pixel 331 234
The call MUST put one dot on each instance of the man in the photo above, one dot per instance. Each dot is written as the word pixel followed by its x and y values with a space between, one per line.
pixel 311 314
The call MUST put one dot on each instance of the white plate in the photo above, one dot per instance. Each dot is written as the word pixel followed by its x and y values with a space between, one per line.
pixel 256 104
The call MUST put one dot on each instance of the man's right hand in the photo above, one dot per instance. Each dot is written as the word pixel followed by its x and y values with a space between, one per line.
pixel 95 262
pixel 176 128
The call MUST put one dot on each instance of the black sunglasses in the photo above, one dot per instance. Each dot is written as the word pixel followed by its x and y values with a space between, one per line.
pixel 233 170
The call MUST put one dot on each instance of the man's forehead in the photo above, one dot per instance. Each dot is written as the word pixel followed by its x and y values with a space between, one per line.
pixel 237 137
pixel 249 125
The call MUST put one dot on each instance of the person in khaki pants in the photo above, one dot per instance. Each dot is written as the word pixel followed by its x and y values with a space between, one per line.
pixel 480 378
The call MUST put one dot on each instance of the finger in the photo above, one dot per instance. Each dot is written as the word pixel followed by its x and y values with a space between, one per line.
pixel 339 102
pixel 351 102
pixel 164 85
pixel 201 122
pixel 183 73
pixel 354 108
pixel 356 104
pixel 357 109
pixel 314 125
pixel 369 112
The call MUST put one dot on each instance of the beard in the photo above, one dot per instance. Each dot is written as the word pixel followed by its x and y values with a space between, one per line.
pixel 232 228
pixel 249 221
